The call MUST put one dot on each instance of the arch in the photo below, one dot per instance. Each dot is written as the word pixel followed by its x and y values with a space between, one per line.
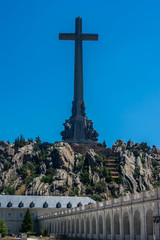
pixel 116 224
pixel 56 227
pixel 73 231
pixel 65 226
pixel 59 226
pixel 94 225
pixel 87 226
pixel 50 228
pixel 69 229
pixel 126 225
pixel 82 226
pixel 137 224
pixel 62 227
pixel 149 223
pixel 108 225
pixel 100 224
pixel 77 225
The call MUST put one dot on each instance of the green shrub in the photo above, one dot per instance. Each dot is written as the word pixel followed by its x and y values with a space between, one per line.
pixel 7 165
pixel 136 152
pixel 36 147
pixel 119 180
pixel 3 228
pixel 157 184
pixel 155 163
pixel 71 193
pixel 99 158
pixel 89 190
pixel 143 160
pixel 76 190
pixel 22 172
pixel 47 179
pixel 137 172
pixel 100 186
pixel 42 154
pixel 44 232
pixel 63 188
pixel 107 174
pixel 9 190
pixel 80 163
pixel 129 188
pixel 96 197
pixel 51 171
pixel 84 175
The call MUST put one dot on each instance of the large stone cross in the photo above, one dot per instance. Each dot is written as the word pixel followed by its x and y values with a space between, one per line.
pixel 78 37
pixel 78 128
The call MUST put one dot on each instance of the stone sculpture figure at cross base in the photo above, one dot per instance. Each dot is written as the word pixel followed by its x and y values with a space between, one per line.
pixel 78 128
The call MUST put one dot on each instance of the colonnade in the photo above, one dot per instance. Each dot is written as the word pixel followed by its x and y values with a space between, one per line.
pixel 133 218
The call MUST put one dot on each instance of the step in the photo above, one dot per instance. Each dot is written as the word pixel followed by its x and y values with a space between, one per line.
pixel 115 176
pixel 114 173
pixel 111 165
pixel 112 162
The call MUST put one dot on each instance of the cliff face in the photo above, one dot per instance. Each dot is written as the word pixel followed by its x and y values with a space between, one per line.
pixel 78 169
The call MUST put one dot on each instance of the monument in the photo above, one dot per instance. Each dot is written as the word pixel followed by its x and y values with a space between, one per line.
pixel 78 128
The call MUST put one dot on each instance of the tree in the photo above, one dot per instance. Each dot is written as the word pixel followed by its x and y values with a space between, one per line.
pixel 44 232
pixel 27 225
pixel 104 144
pixel 107 174
pixel 38 140
pixel 3 228
pixel 20 141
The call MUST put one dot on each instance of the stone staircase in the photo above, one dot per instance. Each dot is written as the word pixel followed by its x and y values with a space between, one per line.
pixel 110 163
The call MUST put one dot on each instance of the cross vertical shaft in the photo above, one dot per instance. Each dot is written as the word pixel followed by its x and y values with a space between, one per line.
pixel 78 65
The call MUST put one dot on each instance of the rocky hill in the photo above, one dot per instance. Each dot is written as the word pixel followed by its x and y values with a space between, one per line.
pixel 33 168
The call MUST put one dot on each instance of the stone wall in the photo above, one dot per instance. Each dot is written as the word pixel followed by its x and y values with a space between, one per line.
pixel 134 216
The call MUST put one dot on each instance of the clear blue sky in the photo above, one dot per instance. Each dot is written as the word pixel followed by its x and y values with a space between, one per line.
pixel 121 70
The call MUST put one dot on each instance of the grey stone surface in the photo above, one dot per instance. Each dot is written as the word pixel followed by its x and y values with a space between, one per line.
pixel 40 200
pixel 78 128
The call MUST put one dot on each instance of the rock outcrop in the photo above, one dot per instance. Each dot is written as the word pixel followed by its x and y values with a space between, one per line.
pixel 78 169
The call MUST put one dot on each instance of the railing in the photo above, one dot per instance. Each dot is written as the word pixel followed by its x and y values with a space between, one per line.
pixel 111 203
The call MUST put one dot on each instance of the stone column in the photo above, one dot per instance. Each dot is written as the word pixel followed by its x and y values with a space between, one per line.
pixel 67 226
pixel 97 226
pixel 112 225
pixel 143 224
pixel 85 230
pixel 71 234
pixel 91 230
pixel 80 227
pixel 75 232
pixel 131 223
pixel 121 224
pixel 104 226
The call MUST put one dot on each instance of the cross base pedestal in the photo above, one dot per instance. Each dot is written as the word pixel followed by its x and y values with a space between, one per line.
pixel 78 128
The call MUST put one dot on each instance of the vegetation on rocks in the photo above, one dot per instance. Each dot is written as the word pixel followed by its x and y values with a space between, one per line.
pixel 39 168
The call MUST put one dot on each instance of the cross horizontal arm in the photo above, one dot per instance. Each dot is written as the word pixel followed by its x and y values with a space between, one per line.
pixel 67 36
pixel 89 37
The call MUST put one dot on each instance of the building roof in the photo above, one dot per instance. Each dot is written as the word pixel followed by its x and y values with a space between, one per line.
pixel 23 201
